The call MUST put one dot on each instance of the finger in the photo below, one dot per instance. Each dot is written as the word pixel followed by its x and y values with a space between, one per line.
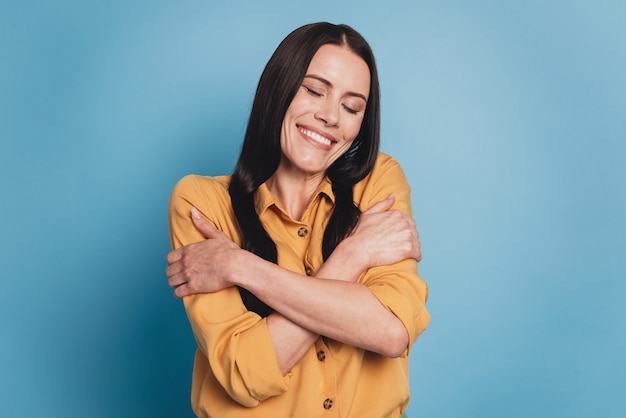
pixel 173 269
pixel 185 289
pixel 418 258
pixel 383 205
pixel 176 280
pixel 174 256
pixel 202 224
pixel 181 291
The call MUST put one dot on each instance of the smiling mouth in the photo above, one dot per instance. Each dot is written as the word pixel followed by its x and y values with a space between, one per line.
pixel 316 137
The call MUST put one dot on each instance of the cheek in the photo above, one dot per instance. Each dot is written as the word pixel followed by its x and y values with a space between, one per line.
pixel 353 129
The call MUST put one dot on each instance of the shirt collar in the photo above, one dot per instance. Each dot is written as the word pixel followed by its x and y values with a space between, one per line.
pixel 263 198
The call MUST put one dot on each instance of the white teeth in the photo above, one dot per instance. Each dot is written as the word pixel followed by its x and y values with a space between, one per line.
pixel 316 137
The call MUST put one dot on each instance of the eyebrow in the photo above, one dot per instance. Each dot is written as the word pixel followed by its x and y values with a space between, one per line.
pixel 329 84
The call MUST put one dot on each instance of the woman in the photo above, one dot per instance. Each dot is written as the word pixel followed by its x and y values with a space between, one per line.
pixel 299 272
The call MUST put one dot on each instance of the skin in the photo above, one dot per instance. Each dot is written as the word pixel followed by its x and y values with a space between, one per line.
pixel 319 126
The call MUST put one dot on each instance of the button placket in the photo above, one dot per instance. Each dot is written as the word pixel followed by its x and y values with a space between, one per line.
pixel 327 366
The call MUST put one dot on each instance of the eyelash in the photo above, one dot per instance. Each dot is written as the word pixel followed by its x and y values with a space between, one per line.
pixel 314 93
pixel 350 110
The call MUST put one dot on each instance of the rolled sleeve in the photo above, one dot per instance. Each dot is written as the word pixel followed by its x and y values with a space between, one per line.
pixel 398 287
pixel 237 346
pixel 234 342
pixel 400 290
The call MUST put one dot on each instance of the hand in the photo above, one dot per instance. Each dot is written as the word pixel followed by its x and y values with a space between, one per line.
pixel 202 267
pixel 386 236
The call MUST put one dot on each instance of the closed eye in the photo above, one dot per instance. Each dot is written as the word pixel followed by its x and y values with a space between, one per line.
pixel 350 110
pixel 312 92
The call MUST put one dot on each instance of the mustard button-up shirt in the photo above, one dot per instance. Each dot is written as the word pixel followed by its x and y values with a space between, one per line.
pixel 236 374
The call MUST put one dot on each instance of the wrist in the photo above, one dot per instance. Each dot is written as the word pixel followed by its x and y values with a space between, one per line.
pixel 234 275
pixel 350 252
pixel 246 266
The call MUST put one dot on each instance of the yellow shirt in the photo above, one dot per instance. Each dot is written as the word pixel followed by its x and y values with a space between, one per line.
pixel 236 373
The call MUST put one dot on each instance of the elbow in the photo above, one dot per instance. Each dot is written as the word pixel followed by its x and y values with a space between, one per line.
pixel 395 342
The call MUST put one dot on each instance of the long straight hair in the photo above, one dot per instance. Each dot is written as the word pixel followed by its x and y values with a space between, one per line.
pixel 261 152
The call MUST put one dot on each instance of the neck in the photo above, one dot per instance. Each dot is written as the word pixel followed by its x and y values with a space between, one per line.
pixel 294 191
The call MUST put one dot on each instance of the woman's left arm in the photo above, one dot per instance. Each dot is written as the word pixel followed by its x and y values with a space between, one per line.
pixel 323 304
pixel 384 312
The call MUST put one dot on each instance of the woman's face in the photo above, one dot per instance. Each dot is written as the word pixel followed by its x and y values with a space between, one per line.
pixel 325 115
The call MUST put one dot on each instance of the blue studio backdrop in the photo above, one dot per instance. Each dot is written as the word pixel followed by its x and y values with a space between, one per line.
pixel 508 118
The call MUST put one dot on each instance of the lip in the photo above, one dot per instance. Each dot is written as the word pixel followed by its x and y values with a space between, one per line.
pixel 316 137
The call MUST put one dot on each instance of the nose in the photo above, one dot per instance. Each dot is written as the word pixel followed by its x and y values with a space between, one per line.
pixel 328 113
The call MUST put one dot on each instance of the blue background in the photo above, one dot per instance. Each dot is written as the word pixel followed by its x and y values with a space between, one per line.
pixel 508 117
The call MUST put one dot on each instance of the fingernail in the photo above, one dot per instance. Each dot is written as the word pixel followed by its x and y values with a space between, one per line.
pixel 391 195
pixel 195 213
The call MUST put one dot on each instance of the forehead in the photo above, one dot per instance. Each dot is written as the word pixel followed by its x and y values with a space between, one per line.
pixel 340 66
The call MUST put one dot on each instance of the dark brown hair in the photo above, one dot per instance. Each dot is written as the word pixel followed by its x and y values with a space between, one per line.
pixel 261 152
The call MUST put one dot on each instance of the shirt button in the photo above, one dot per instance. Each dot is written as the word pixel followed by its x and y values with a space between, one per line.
pixel 308 271
pixel 328 403
pixel 302 232
pixel 321 355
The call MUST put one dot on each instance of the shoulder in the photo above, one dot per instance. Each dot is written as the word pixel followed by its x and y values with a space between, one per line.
pixel 386 170
pixel 195 186
pixel 207 194
pixel 386 177
pixel 384 162
pixel 202 192
pixel 202 183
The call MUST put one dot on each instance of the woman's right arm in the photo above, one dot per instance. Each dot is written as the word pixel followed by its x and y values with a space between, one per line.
pixel 249 355
pixel 372 243
pixel 378 239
